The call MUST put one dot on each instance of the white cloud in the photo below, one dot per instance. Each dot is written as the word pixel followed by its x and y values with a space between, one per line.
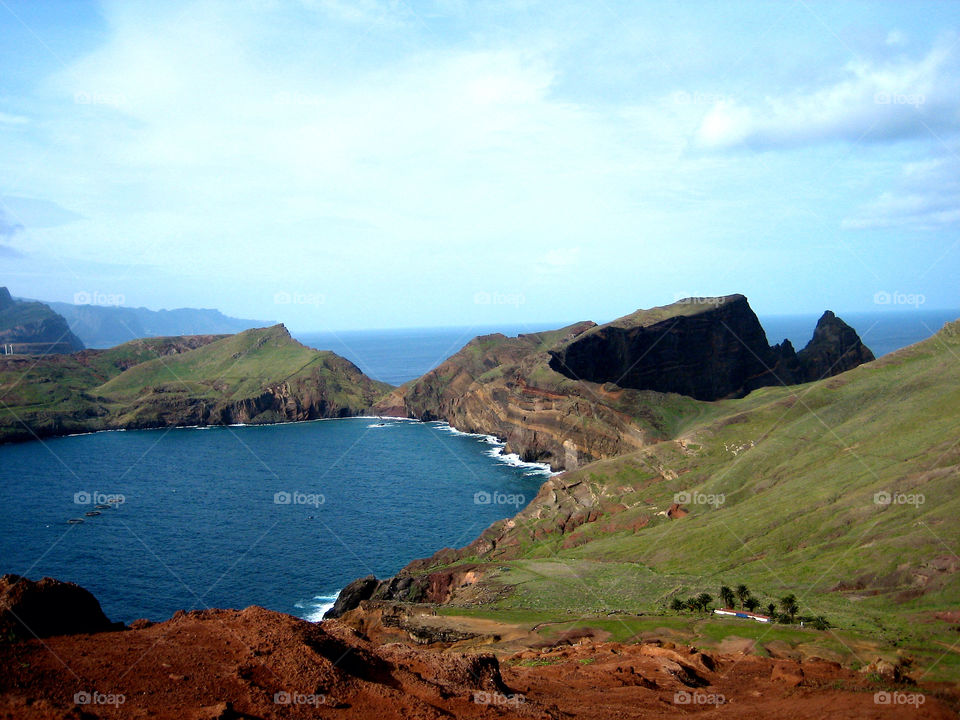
pixel 927 197
pixel 231 131
pixel 871 102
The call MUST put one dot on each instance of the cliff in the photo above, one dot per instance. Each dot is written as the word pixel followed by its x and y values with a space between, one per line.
pixel 707 348
pixel 32 328
pixel 586 392
pixel 258 376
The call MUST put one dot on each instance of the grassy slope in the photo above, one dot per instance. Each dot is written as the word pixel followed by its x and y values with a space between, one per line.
pixel 98 389
pixel 235 366
pixel 799 468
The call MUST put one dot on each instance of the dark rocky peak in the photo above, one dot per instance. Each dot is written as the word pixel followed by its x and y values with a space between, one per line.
pixel 707 348
pixel 5 298
pixel 834 348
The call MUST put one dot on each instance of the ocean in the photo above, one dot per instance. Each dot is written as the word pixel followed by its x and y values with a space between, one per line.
pixel 282 516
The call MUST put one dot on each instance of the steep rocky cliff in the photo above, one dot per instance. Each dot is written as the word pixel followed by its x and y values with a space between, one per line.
pixel 718 351
pixel 32 328
pixel 587 392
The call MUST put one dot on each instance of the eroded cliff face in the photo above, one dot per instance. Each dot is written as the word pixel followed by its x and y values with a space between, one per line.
pixel 505 387
pixel 588 392
pixel 720 351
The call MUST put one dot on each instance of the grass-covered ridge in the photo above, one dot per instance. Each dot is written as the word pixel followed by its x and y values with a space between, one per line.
pixel 258 376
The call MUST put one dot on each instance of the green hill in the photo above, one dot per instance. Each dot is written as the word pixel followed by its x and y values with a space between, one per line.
pixel 257 376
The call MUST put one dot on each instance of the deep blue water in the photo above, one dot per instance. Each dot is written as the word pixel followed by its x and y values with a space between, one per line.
pixel 200 527
pixel 396 356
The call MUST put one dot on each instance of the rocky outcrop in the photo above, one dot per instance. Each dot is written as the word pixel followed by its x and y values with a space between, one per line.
pixel 48 607
pixel 718 352
pixel 32 328
pixel 835 348
pixel 352 595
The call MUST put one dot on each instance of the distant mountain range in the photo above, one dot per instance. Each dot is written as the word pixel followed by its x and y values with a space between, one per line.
pixel 100 326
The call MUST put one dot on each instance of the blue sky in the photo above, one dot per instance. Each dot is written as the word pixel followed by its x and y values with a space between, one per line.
pixel 336 164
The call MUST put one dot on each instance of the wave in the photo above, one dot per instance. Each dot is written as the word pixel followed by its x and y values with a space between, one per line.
pixel 379 417
pixel 498 451
pixel 314 609
pixel 513 460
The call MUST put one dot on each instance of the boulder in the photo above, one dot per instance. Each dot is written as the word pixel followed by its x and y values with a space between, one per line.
pixel 352 595
pixel 48 607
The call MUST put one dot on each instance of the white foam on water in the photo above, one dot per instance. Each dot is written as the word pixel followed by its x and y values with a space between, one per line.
pixel 381 417
pixel 314 609
pixel 498 453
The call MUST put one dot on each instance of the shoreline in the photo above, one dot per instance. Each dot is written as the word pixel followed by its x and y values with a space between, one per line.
pixel 496 453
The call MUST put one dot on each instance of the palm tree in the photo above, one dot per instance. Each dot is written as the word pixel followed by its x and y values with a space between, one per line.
pixel 788 603
pixel 771 609
pixel 678 605
pixel 704 600
pixel 742 593
pixel 752 604
pixel 726 596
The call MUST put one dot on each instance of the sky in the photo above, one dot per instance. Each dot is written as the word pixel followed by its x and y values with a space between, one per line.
pixel 392 163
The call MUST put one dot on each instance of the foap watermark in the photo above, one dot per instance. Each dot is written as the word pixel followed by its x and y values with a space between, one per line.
pixel 698 498
pixel 498 298
pixel 483 497
pixel 98 298
pixel 882 297
pixel 684 97
pixel 113 99
pixel 298 498
pixel 684 299
pixel 499 699
pixel 294 698
pixel 899 698
pixel 98 698
pixel 887 498
pixel 297 298
pixel 889 98
pixel 98 498
pixel 683 697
